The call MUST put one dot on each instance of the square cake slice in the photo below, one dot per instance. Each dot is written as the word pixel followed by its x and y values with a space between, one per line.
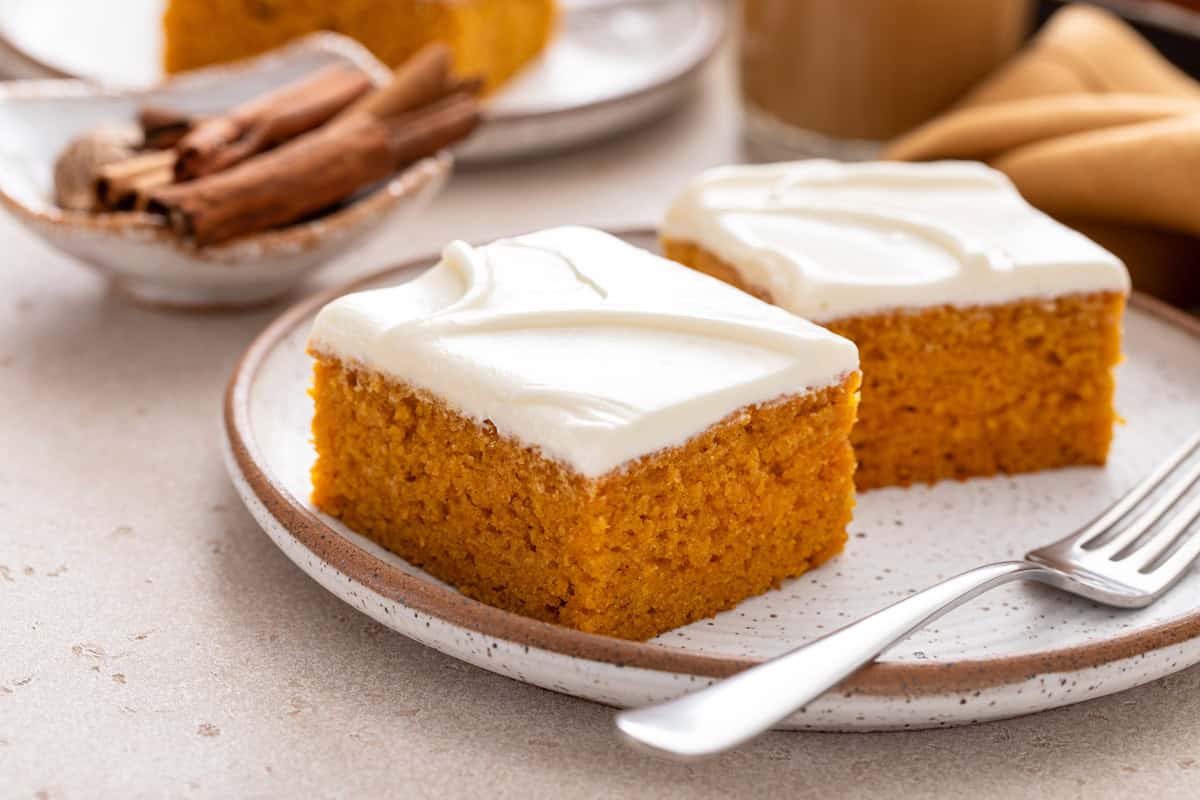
pixel 569 427
pixel 988 331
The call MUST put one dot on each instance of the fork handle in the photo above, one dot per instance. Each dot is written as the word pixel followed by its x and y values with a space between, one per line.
pixel 739 708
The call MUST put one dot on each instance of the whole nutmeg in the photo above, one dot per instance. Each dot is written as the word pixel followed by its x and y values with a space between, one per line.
pixel 79 164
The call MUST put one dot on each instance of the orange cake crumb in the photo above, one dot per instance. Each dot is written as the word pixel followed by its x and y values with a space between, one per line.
pixel 953 392
pixel 671 537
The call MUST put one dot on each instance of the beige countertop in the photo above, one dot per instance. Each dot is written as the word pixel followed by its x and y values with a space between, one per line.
pixel 153 642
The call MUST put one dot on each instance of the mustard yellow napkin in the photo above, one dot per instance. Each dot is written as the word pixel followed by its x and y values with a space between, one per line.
pixel 1085 49
pixel 1097 129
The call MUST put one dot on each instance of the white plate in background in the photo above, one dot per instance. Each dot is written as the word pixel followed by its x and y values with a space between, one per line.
pixel 606 71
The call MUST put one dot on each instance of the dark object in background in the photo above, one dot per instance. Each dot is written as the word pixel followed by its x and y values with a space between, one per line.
pixel 1173 29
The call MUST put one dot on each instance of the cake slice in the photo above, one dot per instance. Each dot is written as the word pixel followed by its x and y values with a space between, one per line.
pixel 988 332
pixel 492 38
pixel 571 428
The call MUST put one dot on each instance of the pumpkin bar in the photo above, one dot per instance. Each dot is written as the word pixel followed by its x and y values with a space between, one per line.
pixel 988 332
pixel 573 429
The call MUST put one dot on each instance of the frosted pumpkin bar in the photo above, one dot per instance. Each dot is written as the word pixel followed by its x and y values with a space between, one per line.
pixel 571 428
pixel 988 332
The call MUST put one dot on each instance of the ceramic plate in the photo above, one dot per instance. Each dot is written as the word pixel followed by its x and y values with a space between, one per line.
pixel 607 70
pixel 1018 649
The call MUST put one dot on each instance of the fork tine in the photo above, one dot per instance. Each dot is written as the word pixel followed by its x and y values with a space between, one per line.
pixel 1119 509
pixel 1116 549
pixel 1179 562
pixel 1162 541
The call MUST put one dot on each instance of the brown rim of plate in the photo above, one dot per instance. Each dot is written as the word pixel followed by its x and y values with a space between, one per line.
pixel 14 52
pixel 877 679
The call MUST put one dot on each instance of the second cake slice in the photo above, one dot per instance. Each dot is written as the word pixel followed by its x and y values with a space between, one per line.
pixel 988 331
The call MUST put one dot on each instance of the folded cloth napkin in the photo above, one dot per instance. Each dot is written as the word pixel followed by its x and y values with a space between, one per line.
pixel 1095 128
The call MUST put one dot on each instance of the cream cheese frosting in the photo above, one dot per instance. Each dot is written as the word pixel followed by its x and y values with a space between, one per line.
pixel 573 341
pixel 828 240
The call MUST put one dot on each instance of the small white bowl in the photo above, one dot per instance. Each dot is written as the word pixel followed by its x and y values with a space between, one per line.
pixel 144 259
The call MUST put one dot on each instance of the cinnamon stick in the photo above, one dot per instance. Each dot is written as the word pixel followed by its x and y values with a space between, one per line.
pixel 162 127
pixel 422 133
pixel 311 172
pixel 417 82
pixel 126 185
pixel 472 85
pixel 222 141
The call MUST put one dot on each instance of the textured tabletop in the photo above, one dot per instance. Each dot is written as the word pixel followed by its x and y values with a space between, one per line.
pixel 153 642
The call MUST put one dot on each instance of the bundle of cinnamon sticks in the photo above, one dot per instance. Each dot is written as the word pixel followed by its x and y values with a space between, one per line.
pixel 292 153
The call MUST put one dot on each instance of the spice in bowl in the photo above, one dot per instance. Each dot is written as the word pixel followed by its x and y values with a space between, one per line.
pixel 277 159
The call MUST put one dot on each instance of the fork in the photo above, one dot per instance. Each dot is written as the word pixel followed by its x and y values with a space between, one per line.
pixel 1127 557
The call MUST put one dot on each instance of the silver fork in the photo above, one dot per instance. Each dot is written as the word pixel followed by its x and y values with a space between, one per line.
pixel 1128 557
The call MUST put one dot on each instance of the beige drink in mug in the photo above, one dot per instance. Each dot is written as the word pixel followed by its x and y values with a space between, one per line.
pixel 841 77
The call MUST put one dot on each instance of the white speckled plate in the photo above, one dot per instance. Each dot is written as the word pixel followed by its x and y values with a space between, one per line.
pixel 606 71
pixel 1018 649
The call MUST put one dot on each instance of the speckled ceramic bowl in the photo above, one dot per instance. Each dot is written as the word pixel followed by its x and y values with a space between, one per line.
pixel 1015 650
pixel 142 257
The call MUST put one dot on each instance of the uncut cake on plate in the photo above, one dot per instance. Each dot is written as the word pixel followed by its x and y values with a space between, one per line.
pixel 569 427
pixel 988 331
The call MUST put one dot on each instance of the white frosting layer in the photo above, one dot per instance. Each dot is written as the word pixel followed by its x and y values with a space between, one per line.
pixel 830 240
pixel 574 341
